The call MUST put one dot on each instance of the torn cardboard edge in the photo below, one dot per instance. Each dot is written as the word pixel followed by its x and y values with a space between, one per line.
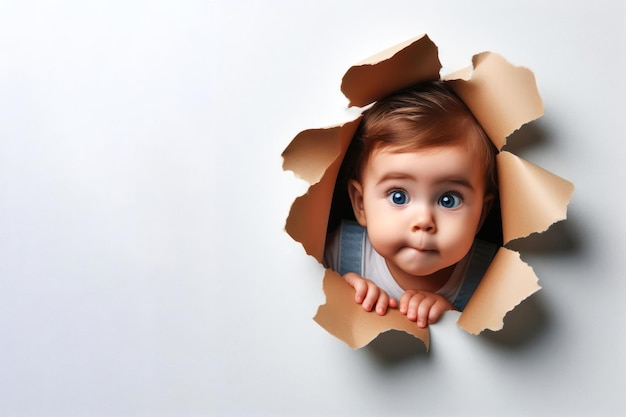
pixel 503 97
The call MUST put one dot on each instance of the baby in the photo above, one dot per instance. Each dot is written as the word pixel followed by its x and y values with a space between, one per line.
pixel 421 179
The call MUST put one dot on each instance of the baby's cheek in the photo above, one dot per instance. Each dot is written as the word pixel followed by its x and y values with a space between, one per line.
pixel 457 243
pixel 385 245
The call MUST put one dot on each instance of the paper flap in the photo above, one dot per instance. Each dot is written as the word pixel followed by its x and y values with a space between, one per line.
pixel 502 96
pixel 311 152
pixel 408 63
pixel 308 216
pixel 507 282
pixel 532 198
pixel 344 318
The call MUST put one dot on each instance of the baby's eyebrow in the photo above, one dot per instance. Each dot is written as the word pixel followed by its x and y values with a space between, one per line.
pixel 395 176
pixel 460 181
pixel 463 182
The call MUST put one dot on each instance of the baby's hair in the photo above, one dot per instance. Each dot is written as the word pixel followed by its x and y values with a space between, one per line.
pixel 423 116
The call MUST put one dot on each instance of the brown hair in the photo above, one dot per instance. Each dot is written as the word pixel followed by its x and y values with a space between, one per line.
pixel 422 116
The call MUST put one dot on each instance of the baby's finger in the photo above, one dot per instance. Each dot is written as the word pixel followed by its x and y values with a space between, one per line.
pixel 359 285
pixel 404 301
pixel 436 311
pixel 382 303
pixel 413 305
pixel 371 298
pixel 423 311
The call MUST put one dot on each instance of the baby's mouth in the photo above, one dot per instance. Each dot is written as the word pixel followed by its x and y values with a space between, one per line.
pixel 422 249
pixel 421 244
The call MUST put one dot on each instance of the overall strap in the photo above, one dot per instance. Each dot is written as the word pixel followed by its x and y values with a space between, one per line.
pixel 482 255
pixel 351 244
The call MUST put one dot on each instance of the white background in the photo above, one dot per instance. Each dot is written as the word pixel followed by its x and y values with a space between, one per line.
pixel 144 270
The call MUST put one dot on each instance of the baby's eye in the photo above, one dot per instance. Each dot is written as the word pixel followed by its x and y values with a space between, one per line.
pixel 398 197
pixel 450 200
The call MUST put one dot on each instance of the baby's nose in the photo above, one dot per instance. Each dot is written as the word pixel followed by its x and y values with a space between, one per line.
pixel 424 221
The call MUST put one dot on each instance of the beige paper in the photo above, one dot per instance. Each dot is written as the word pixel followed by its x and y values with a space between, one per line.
pixel 391 70
pixel 532 198
pixel 507 282
pixel 309 213
pixel 501 96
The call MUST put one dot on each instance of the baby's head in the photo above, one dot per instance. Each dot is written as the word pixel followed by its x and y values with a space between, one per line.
pixel 427 115
pixel 421 178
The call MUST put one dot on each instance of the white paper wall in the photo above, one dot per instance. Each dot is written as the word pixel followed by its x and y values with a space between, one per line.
pixel 143 267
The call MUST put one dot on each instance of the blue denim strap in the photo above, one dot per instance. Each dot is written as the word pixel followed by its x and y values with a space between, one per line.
pixel 482 255
pixel 351 245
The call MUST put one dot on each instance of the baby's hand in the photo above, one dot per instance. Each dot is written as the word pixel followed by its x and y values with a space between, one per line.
pixel 369 295
pixel 423 306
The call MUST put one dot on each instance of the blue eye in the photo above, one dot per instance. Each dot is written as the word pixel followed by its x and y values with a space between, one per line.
pixel 450 200
pixel 398 197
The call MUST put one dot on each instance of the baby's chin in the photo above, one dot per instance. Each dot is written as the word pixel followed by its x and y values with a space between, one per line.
pixel 427 261
pixel 418 262
pixel 420 271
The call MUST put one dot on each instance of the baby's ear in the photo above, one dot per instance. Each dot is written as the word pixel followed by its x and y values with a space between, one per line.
pixel 355 190
pixel 487 204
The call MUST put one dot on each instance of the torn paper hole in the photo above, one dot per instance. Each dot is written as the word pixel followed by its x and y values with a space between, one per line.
pixel 502 97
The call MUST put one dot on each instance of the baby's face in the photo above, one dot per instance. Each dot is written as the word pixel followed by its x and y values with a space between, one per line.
pixel 422 209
